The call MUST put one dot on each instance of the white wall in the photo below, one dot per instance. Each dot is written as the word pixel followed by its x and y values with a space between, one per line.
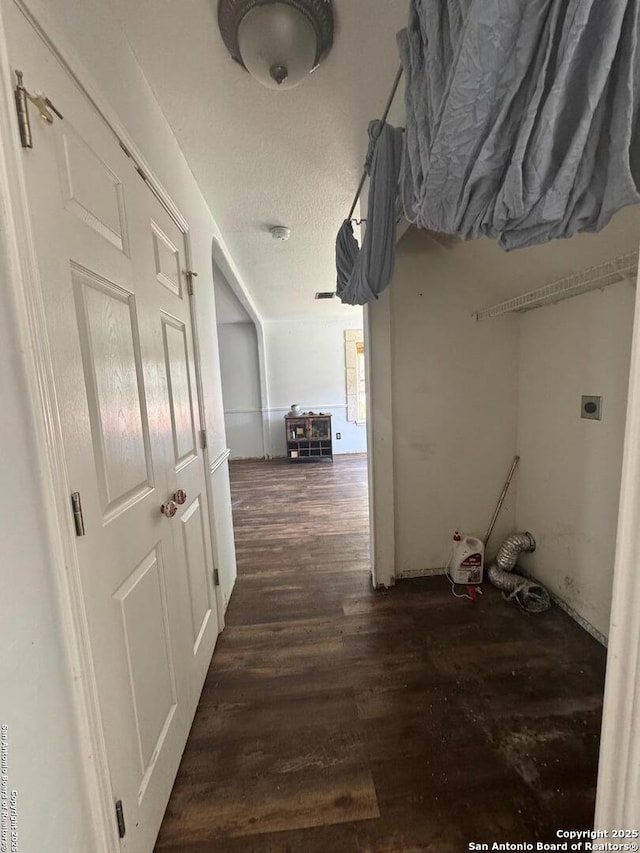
pixel 453 385
pixel 34 674
pixel 569 479
pixel 303 360
pixel 229 309
pixel 306 365
pixel 241 389
pixel 240 372
pixel 36 679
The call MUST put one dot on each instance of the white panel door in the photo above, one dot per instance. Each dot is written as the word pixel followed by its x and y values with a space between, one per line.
pixel 159 257
pixel 111 263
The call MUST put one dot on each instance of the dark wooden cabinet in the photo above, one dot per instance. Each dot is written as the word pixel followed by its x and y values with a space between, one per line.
pixel 309 438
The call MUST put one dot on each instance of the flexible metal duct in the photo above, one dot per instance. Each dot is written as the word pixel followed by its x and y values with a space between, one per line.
pixel 530 596
pixel 512 547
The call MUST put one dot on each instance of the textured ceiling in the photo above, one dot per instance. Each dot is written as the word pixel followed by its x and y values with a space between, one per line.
pixel 295 157
pixel 267 158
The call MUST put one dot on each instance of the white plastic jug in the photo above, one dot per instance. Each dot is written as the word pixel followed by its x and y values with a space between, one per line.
pixel 467 559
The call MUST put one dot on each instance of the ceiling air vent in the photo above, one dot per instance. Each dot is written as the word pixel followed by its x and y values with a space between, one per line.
pixel 325 294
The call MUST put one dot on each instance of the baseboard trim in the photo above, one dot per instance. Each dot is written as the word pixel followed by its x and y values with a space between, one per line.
pixel 420 573
pixel 336 454
pixel 569 610
pixel 248 458
pixel 581 621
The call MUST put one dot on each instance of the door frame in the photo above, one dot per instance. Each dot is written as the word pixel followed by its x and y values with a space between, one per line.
pixel 18 264
pixel 380 475
pixel 618 789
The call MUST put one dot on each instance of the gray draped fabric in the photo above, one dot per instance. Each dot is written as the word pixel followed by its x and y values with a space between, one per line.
pixel 364 272
pixel 521 116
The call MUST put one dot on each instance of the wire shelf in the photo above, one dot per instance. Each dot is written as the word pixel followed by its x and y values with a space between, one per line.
pixel 619 269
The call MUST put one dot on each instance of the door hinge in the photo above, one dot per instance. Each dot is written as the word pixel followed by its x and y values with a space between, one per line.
pixel 203 439
pixel 78 517
pixel 141 172
pixel 190 277
pixel 120 819
pixel 42 104
pixel 216 577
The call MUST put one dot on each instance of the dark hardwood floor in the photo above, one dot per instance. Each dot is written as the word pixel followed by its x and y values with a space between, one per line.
pixel 336 719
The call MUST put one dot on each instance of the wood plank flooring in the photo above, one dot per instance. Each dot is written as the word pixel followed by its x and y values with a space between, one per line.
pixel 337 719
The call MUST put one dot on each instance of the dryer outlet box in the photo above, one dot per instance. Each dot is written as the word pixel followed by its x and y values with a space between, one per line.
pixel 591 408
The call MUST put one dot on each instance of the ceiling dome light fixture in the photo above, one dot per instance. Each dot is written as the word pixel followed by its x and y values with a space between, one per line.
pixel 279 42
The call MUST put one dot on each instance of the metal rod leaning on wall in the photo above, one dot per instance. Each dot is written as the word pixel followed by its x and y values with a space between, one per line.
pixel 394 89
pixel 501 499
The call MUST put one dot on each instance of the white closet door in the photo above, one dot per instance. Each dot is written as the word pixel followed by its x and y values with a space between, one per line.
pixel 159 257
pixel 111 263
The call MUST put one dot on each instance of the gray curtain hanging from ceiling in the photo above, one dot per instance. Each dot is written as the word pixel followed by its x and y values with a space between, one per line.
pixel 363 273
pixel 521 116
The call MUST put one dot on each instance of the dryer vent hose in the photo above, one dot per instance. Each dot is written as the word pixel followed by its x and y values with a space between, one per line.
pixel 530 596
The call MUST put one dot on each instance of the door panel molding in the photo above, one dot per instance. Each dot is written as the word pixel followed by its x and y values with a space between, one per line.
pixel 167 258
pixel 112 225
pixel 151 567
pixel 195 556
pixel 176 354
pixel 146 587
pixel 219 460
pixel 129 394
